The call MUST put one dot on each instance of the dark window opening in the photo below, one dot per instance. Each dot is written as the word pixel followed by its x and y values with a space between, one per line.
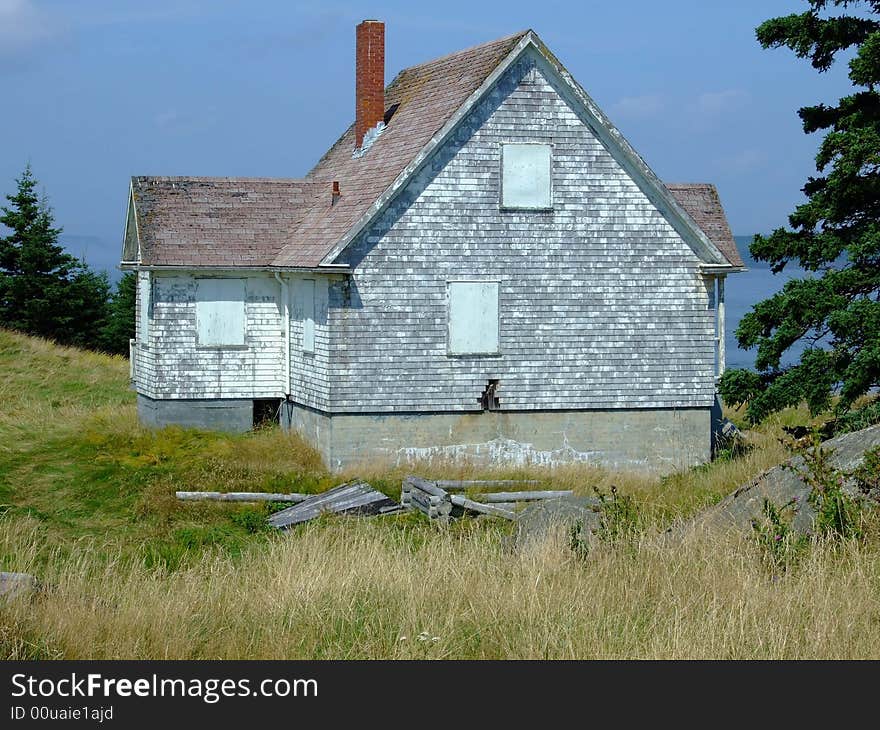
pixel 266 412
pixel 488 399
pixel 389 112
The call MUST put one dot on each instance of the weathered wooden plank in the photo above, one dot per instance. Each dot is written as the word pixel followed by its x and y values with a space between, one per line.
pixel 358 497
pixel 486 509
pixel 392 509
pixel 424 485
pixel 458 485
pixel 240 497
pixel 492 497
pixel 433 509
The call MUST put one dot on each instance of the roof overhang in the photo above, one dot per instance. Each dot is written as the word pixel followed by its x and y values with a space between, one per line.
pixel 322 269
pixel 715 270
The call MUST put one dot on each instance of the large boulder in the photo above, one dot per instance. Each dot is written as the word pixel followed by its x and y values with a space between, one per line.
pixel 16 585
pixel 543 518
pixel 783 486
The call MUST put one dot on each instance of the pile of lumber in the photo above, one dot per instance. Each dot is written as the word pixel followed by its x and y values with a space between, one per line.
pixel 427 497
pixel 351 498
pixel 434 498
pixel 439 500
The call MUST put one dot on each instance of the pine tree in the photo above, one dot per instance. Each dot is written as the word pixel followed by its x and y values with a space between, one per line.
pixel 119 328
pixel 835 235
pixel 43 289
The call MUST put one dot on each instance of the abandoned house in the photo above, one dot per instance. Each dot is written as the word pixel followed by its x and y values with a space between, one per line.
pixel 480 268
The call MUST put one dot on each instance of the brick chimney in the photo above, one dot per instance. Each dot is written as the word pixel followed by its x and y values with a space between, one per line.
pixel 369 78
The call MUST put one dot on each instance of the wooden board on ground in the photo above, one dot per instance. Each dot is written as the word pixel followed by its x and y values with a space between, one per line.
pixel 351 498
pixel 240 497
pixel 492 497
pixel 485 509
pixel 460 485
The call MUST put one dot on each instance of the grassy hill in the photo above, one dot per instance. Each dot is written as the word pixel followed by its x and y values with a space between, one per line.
pixel 87 504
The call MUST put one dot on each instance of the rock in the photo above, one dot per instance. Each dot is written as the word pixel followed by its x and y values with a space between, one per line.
pixel 16 585
pixel 540 519
pixel 728 430
pixel 781 486
pixel 729 438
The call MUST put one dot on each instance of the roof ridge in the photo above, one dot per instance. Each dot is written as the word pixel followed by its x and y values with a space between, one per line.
pixel 470 49
pixel 689 184
pixel 219 178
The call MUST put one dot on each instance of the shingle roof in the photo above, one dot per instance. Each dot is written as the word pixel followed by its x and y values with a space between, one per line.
pixel 210 222
pixel 428 96
pixel 701 202
pixel 217 221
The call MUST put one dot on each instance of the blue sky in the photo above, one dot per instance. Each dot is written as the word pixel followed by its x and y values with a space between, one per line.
pixel 94 91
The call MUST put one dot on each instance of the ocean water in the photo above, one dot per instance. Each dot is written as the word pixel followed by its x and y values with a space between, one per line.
pixel 742 291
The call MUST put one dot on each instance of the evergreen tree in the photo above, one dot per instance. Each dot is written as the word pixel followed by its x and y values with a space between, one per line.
pixel 119 328
pixel 43 289
pixel 835 234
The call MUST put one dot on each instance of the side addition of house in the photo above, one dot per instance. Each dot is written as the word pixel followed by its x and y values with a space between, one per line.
pixel 481 267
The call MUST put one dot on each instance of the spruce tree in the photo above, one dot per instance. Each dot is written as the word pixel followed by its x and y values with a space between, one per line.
pixel 43 289
pixel 119 328
pixel 835 235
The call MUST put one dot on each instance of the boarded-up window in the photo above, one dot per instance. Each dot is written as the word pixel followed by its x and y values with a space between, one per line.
pixel 473 317
pixel 525 179
pixel 220 312
pixel 145 303
pixel 305 312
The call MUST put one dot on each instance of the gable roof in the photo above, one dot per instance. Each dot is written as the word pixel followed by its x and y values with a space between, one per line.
pixel 292 223
pixel 702 203
pixel 216 221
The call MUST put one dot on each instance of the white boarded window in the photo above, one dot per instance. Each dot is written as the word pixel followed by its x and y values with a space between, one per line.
pixel 525 176
pixel 144 287
pixel 473 317
pixel 220 312
pixel 305 312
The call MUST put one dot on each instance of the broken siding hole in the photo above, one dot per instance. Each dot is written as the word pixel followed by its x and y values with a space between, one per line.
pixel 389 112
pixel 267 412
pixel 488 400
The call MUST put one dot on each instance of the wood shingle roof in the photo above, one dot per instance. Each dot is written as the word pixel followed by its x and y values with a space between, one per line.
pixel 264 222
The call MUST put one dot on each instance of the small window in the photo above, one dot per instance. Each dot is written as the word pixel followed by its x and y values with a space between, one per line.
pixel 305 312
pixel 144 287
pixel 220 312
pixel 525 171
pixel 473 317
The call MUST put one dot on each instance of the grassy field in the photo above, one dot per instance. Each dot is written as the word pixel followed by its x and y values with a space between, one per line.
pixel 87 504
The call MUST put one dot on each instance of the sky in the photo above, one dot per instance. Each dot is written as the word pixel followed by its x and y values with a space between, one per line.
pixel 95 91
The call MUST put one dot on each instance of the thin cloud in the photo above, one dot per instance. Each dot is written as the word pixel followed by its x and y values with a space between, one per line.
pixel 639 107
pixel 713 103
pixel 166 118
pixel 22 26
pixel 183 122
pixel 743 161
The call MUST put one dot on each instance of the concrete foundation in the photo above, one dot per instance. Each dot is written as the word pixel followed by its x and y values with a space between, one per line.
pixel 219 415
pixel 655 440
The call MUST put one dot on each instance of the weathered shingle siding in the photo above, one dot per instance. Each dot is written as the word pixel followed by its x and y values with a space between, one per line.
pixel 185 370
pixel 601 303
pixel 145 370
pixel 310 371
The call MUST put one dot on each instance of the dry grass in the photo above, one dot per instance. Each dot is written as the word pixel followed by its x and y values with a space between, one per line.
pixel 87 504
pixel 351 588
